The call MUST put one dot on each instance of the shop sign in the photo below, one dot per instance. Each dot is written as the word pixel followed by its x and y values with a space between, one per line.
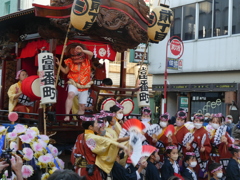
pixel 198 87
pixel 137 54
pixel 176 47
pixel 183 103
pixel 174 64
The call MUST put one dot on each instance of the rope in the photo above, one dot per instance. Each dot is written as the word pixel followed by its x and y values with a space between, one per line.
pixel 79 86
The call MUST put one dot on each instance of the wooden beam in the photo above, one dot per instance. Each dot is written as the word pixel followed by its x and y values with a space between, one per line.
pixel 123 73
pixel 3 84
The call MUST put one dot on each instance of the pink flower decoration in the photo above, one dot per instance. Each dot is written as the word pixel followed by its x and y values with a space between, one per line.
pixel 13 146
pixel 37 147
pixel 43 144
pixel 28 154
pixel 45 158
pixel 13 175
pixel 19 128
pixel 25 139
pixel 27 171
pixel 44 138
pixel 60 162
pixel 12 136
pixel 53 150
pixel 31 133
pixel 2 128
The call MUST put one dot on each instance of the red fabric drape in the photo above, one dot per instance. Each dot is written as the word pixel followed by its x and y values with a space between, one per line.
pixel 102 51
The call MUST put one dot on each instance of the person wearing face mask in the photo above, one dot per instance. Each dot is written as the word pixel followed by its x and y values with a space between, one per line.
pixel 233 167
pixel 96 158
pixel 170 166
pixel 112 127
pixel 229 123
pixel 190 162
pixel 118 111
pixel 162 141
pixel 181 133
pixel 220 139
pixel 151 169
pixel 216 170
pixel 207 118
pixel 146 117
pixel 201 146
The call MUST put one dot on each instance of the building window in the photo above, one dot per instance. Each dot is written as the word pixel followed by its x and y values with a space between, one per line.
pixel 7 8
pixel 176 26
pixel 220 23
pixel 205 19
pixel 236 17
pixel 189 21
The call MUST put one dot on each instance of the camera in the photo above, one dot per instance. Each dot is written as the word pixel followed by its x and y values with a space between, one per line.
pixel 7 156
pixel 90 169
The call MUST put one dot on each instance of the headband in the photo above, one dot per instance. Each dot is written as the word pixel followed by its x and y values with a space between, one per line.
pixel 182 117
pixel 98 115
pixel 235 147
pixel 165 117
pixel 198 116
pixel 18 74
pixel 119 105
pixel 105 114
pixel 190 154
pixel 218 168
pixel 217 115
pixel 146 113
pixel 171 147
pixel 84 118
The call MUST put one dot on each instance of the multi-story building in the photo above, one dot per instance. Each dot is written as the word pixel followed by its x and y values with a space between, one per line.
pixel 11 6
pixel 208 80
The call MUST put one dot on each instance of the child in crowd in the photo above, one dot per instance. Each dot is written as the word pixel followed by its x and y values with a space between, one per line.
pixel 151 170
pixel 233 168
pixel 220 139
pixel 201 146
pixel 190 163
pixel 170 166
pixel 162 141
pixel 216 170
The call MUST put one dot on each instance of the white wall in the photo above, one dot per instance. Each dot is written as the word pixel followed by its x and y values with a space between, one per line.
pixel 211 54
pixel 175 3
pixel 26 4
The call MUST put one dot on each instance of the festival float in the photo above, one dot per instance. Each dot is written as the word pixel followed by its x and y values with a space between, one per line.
pixel 28 37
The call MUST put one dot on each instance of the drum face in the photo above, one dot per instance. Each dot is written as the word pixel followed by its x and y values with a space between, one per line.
pixel 128 105
pixel 36 87
pixel 106 103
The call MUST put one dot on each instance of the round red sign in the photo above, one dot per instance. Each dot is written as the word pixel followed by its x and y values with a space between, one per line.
pixel 176 47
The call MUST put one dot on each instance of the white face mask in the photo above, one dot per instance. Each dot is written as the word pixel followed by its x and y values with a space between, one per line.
pixel 230 121
pixel 145 119
pixel 119 116
pixel 163 124
pixel 197 125
pixel 179 123
pixel 219 175
pixel 205 118
pixel 215 126
pixel 192 118
pixel 193 164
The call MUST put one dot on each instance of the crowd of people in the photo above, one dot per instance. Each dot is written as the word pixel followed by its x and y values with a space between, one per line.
pixel 200 149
